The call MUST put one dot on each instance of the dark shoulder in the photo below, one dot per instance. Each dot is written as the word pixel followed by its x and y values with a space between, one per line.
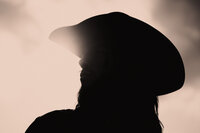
pixel 58 115
pixel 54 122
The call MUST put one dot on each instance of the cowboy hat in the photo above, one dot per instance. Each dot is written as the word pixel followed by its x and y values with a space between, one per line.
pixel 131 40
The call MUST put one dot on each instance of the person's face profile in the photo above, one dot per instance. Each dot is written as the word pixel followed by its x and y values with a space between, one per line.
pixel 94 65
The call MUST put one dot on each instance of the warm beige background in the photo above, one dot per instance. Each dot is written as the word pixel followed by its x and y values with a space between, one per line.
pixel 38 76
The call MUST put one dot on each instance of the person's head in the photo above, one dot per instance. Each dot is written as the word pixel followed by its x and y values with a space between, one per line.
pixel 127 49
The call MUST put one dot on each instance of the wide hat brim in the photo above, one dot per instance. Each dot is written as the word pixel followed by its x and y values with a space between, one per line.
pixel 130 37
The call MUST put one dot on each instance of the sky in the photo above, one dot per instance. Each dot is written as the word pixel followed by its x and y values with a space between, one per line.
pixel 38 76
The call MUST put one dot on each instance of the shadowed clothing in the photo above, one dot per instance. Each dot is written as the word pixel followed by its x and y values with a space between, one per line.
pixel 127 113
pixel 74 121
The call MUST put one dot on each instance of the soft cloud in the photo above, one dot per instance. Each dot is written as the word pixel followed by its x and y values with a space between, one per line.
pixel 16 19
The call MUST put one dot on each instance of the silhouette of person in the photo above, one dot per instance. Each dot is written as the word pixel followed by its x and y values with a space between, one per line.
pixel 126 64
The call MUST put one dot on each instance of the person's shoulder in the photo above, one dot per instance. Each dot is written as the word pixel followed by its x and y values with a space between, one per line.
pixel 58 114
pixel 55 121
